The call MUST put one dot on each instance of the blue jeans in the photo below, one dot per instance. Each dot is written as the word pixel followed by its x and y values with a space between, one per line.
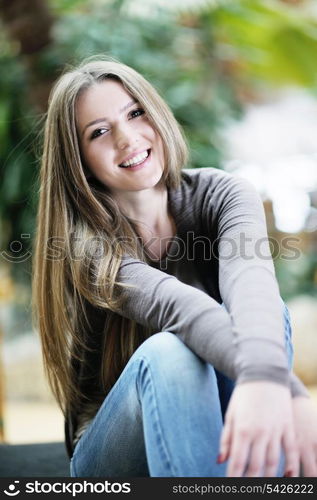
pixel 162 418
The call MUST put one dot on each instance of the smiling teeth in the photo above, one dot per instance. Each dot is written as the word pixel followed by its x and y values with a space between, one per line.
pixel 136 159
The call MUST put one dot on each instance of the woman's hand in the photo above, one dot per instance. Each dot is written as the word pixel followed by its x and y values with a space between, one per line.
pixel 258 423
pixel 305 424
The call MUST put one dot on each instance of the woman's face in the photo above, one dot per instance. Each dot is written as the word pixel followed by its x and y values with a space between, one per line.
pixel 118 144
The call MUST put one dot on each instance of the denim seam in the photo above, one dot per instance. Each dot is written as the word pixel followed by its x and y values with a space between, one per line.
pixel 73 468
pixel 161 435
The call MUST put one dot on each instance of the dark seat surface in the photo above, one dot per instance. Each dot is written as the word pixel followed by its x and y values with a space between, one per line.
pixel 34 460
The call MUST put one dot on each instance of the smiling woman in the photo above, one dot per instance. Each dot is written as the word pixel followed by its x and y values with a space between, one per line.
pixel 165 363
pixel 117 139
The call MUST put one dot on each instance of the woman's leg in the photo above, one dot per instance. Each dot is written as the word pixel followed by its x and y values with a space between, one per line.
pixel 162 418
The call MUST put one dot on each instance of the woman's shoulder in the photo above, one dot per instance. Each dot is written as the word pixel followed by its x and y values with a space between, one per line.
pixel 203 173
pixel 215 194
pixel 214 181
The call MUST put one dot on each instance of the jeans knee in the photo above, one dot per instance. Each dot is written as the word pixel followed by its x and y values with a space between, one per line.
pixel 169 356
pixel 167 347
pixel 162 342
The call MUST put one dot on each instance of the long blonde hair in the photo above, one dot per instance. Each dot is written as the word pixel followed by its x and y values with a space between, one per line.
pixel 82 236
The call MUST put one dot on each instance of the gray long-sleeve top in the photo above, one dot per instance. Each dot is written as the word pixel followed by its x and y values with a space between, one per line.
pixel 219 257
pixel 220 254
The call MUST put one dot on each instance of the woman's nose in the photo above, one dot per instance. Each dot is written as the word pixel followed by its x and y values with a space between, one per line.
pixel 125 138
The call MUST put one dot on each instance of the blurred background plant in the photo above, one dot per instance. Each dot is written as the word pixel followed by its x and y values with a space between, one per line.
pixel 224 66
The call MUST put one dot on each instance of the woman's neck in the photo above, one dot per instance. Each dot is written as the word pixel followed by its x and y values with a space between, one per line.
pixel 148 208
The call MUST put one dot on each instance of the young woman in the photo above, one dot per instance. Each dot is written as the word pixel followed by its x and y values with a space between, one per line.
pixel 155 297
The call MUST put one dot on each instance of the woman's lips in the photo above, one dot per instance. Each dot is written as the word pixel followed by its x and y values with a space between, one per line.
pixel 137 166
pixel 141 153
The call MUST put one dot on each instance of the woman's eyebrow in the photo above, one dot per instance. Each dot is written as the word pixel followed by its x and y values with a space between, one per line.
pixel 104 119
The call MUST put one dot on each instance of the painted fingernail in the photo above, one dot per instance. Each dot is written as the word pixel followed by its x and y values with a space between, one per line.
pixel 220 459
pixel 288 473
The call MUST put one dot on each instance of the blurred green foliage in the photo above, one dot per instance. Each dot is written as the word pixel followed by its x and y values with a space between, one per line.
pixel 297 277
pixel 207 62
pixel 277 44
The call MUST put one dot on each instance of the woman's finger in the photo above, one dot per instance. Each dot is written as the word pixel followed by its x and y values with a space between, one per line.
pixel 309 463
pixel 239 451
pixel 225 440
pixel 273 455
pixel 291 453
pixel 257 458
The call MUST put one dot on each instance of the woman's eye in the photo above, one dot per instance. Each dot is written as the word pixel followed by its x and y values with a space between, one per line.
pixel 98 132
pixel 136 112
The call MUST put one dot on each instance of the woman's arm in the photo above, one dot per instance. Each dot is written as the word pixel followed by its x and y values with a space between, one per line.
pixel 259 419
pixel 247 282
pixel 156 299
